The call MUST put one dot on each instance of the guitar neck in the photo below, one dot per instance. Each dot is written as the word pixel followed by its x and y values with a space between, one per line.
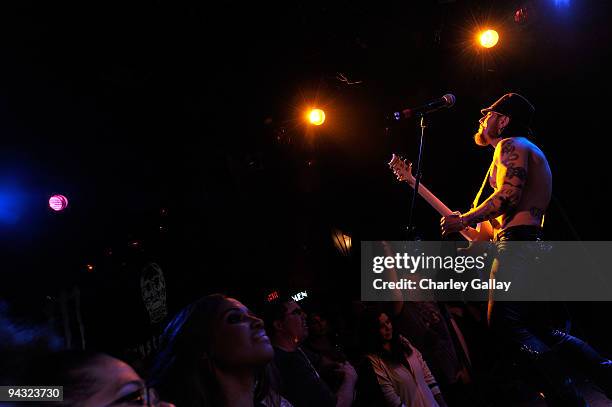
pixel 433 200
pixel 438 205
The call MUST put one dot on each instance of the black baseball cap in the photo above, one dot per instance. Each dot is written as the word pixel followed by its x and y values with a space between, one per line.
pixel 515 106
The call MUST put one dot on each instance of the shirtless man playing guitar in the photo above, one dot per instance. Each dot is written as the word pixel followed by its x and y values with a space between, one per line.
pixel 519 174
pixel 522 188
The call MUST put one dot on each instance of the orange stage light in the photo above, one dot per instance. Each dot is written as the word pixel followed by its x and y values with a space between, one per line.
pixel 489 38
pixel 316 117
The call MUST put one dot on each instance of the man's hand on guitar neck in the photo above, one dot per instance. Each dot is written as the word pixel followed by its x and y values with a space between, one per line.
pixel 452 223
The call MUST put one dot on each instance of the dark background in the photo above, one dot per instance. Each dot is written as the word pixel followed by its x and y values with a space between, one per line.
pixel 175 129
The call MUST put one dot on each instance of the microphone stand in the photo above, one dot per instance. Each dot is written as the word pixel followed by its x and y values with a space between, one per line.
pixel 417 177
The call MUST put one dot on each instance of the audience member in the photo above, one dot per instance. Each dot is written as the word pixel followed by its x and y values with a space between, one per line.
pixel 322 339
pixel 299 380
pixel 323 348
pixel 91 380
pixel 214 353
pixel 403 377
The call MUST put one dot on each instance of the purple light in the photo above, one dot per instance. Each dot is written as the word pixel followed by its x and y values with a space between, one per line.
pixel 58 202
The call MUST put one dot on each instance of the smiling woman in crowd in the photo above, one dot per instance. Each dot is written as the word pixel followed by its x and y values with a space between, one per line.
pixel 215 353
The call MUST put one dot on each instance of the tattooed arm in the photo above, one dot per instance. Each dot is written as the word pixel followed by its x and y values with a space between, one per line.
pixel 511 159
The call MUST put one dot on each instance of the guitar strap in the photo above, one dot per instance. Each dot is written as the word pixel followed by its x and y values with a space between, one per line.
pixel 484 182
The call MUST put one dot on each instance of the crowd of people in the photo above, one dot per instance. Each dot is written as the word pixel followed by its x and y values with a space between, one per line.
pixel 218 352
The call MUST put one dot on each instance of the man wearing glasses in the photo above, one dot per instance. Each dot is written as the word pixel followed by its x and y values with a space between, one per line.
pixel 299 380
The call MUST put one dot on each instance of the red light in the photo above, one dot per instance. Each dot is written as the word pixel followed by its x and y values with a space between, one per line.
pixel 90 268
pixel 520 15
pixel 58 202
pixel 273 296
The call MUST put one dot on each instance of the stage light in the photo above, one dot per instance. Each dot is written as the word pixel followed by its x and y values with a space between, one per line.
pixel 273 296
pixel 12 204
pixel 489 38
pixel 342 241
pixel 58 202
pixel 316 117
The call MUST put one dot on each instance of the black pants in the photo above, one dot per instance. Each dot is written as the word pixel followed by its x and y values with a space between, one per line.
pixel 524 328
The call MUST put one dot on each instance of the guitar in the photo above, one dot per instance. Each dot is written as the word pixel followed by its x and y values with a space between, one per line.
pixel 403 171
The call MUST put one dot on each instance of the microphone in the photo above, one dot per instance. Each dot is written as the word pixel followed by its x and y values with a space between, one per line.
pixel 445 101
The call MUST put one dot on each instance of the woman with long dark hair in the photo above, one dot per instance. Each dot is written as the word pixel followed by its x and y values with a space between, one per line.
pixel 215 353
pixel 401 373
